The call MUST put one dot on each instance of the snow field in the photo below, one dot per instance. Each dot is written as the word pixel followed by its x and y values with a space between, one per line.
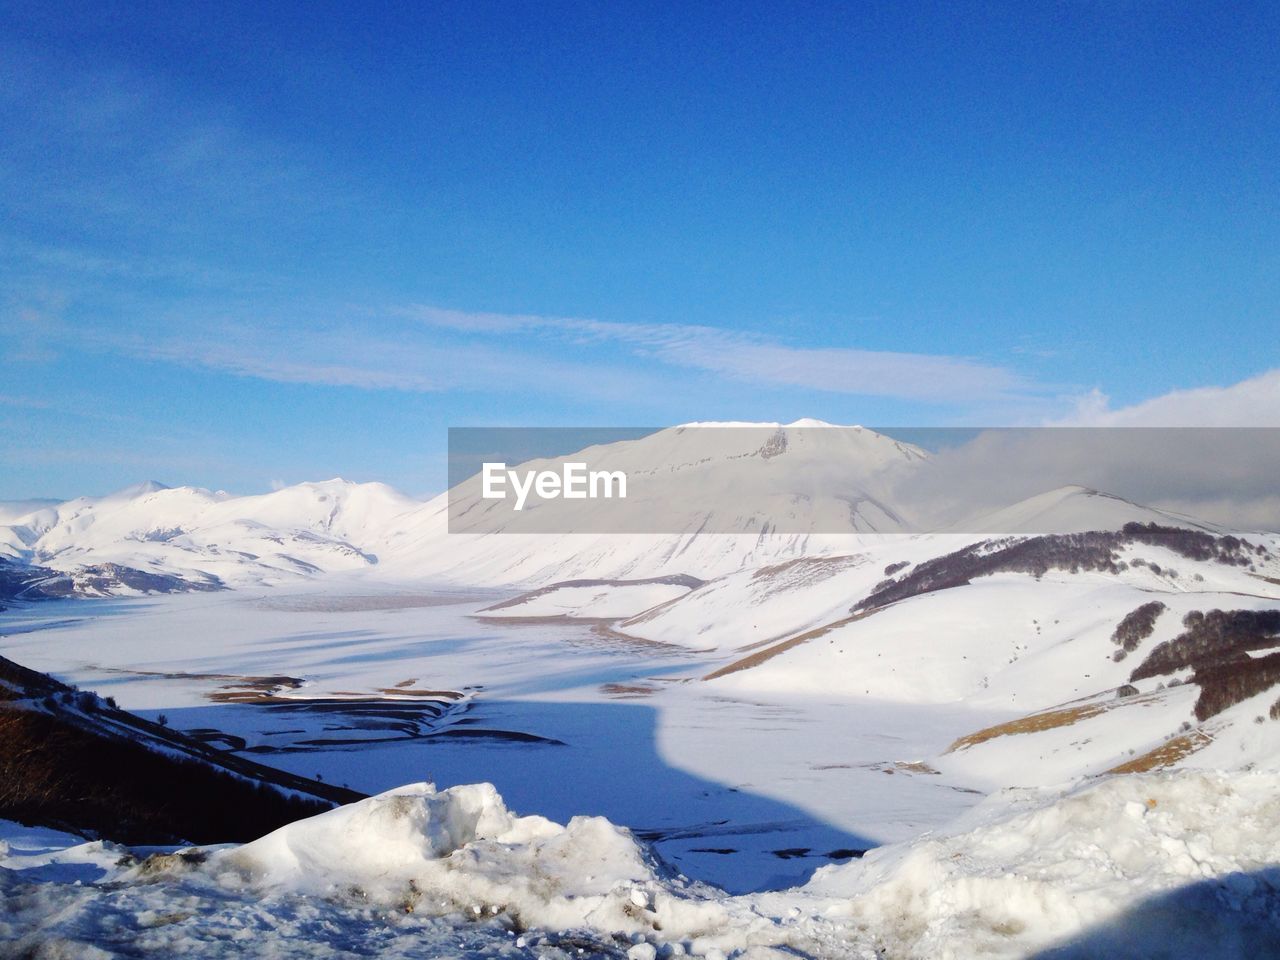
pixel 1180 865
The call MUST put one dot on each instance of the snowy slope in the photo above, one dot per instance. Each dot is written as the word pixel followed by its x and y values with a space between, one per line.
pixel 944 620
pixel 724 497
pixel 1160 865
pixel 11 510
pixel 1075 509
pixel 1122 868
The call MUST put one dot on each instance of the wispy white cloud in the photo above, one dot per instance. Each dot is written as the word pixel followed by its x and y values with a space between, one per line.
pixel 427 350
pixel 120 163
pixel 29 328
pixel 374 357
pixel 761 360
pixel 1254 402
pixel 24 403
pixel 110 132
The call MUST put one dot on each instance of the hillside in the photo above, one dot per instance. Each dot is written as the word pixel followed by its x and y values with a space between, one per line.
pixel 71 760
pixel 1128 649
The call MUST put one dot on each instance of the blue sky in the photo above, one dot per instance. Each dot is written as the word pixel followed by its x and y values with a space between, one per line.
pixel 243 244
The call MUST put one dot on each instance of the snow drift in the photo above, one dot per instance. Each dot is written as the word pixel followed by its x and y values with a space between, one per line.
pixel 461 851
pixel 1183 864
pixel 1176 865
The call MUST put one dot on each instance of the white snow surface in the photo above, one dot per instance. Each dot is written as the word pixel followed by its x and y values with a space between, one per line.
pixel 1183 864
pixel 604 600
pixel 452 851
pixel 1176 865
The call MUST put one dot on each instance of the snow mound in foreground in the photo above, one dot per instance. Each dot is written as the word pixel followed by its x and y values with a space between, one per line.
pixel 462 851
pixel 1181 864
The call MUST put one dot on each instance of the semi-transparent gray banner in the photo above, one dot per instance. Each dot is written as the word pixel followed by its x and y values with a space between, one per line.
pixel 817 479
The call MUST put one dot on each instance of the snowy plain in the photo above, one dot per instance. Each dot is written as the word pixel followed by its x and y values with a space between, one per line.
pixel 720 795
pixel 624 729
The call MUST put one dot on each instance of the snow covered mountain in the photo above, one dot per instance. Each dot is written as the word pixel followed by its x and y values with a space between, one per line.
pixel 723 497
pixel 336 526
pixel 706 500
pixel 202 537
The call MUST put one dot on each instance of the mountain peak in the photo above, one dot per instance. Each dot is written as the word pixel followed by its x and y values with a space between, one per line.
pixel 802 423
pixel 805 422
pixel 138 490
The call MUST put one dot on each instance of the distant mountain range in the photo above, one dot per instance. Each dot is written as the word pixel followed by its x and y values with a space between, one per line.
pixel 783 489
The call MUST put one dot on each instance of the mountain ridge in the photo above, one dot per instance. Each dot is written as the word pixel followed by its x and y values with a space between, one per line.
pixel 727 496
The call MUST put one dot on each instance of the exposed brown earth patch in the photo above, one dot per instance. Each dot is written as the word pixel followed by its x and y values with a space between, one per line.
pixel 253 690
pixel 915 766
pixel 1168 753
pixel 627 691
pixel 1035 723
pixel 401 691
pixel 241 689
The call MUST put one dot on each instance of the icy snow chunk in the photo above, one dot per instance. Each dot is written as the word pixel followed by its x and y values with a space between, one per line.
pixel 392 833
pixel 462 851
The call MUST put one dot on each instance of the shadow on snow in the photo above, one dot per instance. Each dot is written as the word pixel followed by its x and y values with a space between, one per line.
pixel 608 762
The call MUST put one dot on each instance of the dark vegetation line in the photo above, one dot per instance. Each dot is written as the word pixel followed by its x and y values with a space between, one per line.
pixel 1136 627
pixel 1072 552
pixel 676 579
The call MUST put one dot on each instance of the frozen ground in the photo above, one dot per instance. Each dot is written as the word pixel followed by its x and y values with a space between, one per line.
pixel 745 791
pixel 1176 865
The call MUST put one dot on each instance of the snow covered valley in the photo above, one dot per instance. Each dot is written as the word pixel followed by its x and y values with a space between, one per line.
pixel 747 792
pixel 743 809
